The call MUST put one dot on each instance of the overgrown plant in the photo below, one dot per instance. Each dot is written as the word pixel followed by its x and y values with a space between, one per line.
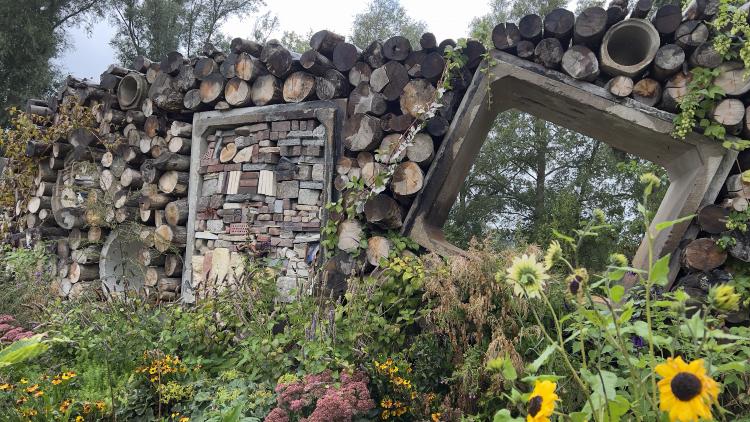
pixel 651 361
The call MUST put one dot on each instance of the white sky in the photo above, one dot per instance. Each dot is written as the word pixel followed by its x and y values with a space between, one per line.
pixel 90 54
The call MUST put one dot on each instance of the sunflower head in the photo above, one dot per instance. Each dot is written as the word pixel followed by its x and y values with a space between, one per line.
pixel 618 260
pixel 554 253
pixel 686 392
pixel 527 276
pixel 577 282
pixel 724 298
pixel 541 403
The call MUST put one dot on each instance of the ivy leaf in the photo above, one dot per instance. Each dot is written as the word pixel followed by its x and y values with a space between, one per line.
pixel 660 271
pixel 541 360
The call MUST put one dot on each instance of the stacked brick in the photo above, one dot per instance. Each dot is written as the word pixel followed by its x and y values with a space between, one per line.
pixel 262 195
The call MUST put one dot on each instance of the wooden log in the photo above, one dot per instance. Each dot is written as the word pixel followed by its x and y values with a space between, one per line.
pixel 616 14
pixel 315 63
pixel 186 79
pixel 737 187
pixel 278 60
pixel 171 63
pixel 56 163
pixel 165 94
pixel 157 147
pixel 95 234
pixel 669 60
pixel 590 27
pixel 155 126
pixel 701 10
pixel 175 182
pixel 378 248
pixel 408 180
pixel 149 172
pixel 37 203
pixel 153 201
pixel 475 52
pixel 106 179
pixel 176 212
pixel 299 87
pixel 136 117
pixel 179 145
pixel 179 128
pixel 620 86
pixel 362 132
pixel 647 91
pixel 674 90
pixel 141 63
pixel 212 88
pixel 363 100
pixel 359 73
pixel 149 257
pixel 391 122
pixel 173 264
pixel 433 66
pixel 88 255
pixel 61 150
pixel 168 287
pixel 325 42
pixel 126 214
pixel 370 171
pixel 558 24
pixel 416 97
pixel 730 113
pixel 705 55
pixel 732 79
pixel 345 56
pixel 171 161
pixel 641 9
pixel 152 276
pixel 580 63
pixel 37 149
pixel 713 219
pixel 350 233
pixel 249 68
pixel 691 34
pixel 428 41
pixel 422 150
pixel 413 63
pixel 241 45
pixel 267 90
pixel 331 85
pixel 384 212
pixel 238 93
pixel 79 272
pixel 396 48
pixel 390 80
pixel 703 255
pixel 81 137
pixel 525 50
pixel 227 67
pixel 549 53
pixel 505 37
pixel 166 237
pixel 204 67
pixel 666 20
pixel 373 55
pixel 153 72
pixel 531 28
pixel 45 189
pixel 388 152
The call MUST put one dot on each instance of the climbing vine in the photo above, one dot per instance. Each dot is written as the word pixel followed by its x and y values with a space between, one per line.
pixel 731 40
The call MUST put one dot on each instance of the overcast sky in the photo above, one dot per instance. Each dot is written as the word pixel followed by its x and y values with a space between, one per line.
pixel 90 54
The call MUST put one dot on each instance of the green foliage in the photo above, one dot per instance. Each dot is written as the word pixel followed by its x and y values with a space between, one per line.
pixel 22 350
pixel 383 19
pixel 25 275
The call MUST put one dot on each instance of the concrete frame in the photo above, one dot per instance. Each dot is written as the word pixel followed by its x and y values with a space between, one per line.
pixel 697 167
pixel 329 113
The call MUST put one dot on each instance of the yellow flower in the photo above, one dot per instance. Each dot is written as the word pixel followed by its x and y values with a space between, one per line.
pixel 65 405
pixel 724 298
pixel 79 418
pixel 184 419
pixel 39 393
pixel 86 408
pixel 5 387
pixel 435 417
pixel 526 275
pixel 32 388
pixel 24 381
pixel 686 392
pixel 554 253
pixel 100 405
pixel 56 381
pixel 542 402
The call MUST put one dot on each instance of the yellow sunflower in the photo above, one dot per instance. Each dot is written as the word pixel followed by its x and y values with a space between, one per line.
pixel 686 392
pixel 542 402
pixel 554 253
pixel 527 275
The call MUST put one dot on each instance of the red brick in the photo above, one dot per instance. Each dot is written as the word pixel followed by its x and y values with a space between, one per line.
pixel 249 182
pixel 233 167
pixel 216 168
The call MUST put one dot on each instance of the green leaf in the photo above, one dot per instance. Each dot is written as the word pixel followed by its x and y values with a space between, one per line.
pixel 665 224
pixel 541 360
pixel 504 416
pixel 22 350
pixel 660 271
pixel 616 293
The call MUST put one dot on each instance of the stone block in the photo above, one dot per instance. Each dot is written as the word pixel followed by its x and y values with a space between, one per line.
pixel 308 197
pixel 287 189
pixel 318 172
pixel 210 187
pixel 311 184
pixel 283 126
pixel 246 130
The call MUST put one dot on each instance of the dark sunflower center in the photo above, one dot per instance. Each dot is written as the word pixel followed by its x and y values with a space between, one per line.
pixel 685 386
pixel 574 285
pixel 535 405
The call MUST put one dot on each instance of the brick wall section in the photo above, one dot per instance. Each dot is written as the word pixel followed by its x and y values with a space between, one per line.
pixel 264 203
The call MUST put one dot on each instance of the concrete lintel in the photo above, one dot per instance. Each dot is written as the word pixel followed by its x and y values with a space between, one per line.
pixel 694 165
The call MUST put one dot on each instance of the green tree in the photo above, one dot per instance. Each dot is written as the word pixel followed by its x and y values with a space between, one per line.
pixel 383 19
pixel 32 33
pixel 155 27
